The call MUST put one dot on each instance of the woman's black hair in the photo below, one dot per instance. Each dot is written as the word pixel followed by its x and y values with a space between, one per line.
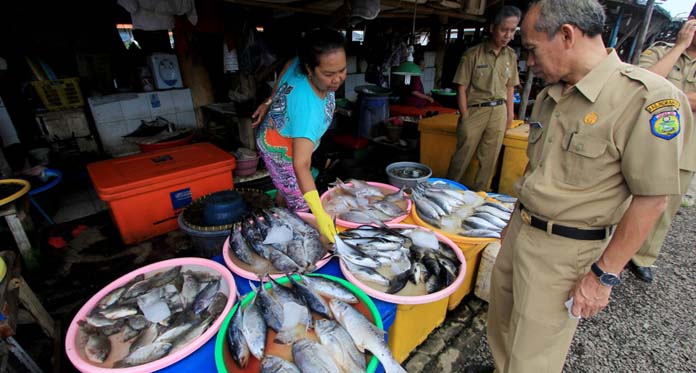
pixel 316 43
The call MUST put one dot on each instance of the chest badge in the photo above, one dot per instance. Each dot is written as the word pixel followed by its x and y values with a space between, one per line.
pixel 665 125
pixel 591 118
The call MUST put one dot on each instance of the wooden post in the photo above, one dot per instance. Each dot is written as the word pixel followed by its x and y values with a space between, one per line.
pixel 525 95
pixel 643 32
pixel 196 78
pixel 441 47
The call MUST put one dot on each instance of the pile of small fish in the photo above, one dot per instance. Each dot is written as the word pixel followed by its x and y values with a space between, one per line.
pixel 279 238
pixel 362 203
pixel 156 316
pixel 391 258
pixel 460 212
pixel 333 342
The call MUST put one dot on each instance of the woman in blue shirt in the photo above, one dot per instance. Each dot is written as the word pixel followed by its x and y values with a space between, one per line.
pixel 297 115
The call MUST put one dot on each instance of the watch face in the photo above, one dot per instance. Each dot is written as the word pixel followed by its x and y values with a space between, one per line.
pixel 609 279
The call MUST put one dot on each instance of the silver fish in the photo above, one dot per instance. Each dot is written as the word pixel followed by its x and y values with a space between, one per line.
pixel 340 345
pixel 330 289
pixel 354 256
pixel 204 298
pixel 358 216
pixel 274 364
pixel 171 334
pixel 239 245
pixel 115 295
pixel 482 233
pixel 281 261
pixel 129 333
pixel 397 196
pixel 145 354
pixel 312 357
pixel 190 288
pixel 493 211
pixel 193 333
pixel 498 206
pixel 217 304
pixel 315 301
pixel 500 223
pixel 388 208
pixel 478 223
pixel 118 312
pixel 270 308
pixel 254 238
pixel 366 274
pixel 146 337
pixel 98 347
pixel 235 339
pixel 254 329
pixel 365 335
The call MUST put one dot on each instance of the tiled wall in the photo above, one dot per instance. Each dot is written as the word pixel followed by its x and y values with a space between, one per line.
pixel 120 114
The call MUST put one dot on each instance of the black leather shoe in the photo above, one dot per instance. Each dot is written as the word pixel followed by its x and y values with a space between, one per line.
pixel 479 369
pixel 643 273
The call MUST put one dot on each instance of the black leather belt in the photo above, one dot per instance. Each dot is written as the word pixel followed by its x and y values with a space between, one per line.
pixel 562 230
pixel 489 103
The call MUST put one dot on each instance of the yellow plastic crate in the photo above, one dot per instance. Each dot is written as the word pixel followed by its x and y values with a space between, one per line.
pixel 438 141
pixel 413 324
pixel 514 159
pixel 59 94
pixel 472 253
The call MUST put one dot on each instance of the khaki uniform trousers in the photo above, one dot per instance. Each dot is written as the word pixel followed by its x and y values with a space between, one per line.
pixel 529 329
pixel 646 256
pixel 481 132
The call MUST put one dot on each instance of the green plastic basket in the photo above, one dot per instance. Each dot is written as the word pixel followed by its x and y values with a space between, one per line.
pixel 220 341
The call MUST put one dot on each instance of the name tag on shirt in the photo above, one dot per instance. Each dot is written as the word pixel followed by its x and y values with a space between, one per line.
pixel 482 66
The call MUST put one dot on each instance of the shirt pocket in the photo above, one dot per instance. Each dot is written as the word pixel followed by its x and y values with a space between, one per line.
pixel 534 146
pixel 481 75
pixel 676 76
pixel 584 160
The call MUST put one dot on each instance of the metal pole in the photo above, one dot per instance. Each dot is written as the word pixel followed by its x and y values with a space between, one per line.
pixel 525 95
pixel 615 31
pixel 644 31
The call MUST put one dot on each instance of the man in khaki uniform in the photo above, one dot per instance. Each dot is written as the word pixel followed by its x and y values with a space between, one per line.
pixel 602 132
pixel 487 75
pixel 676 62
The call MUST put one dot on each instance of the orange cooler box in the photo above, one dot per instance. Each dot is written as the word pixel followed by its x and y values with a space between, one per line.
pixel 145 192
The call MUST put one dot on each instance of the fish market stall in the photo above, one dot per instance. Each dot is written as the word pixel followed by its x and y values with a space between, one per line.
pixel 471 220
pixel 359 202
pixel 411 266
pixel 152 317
pixel 272 328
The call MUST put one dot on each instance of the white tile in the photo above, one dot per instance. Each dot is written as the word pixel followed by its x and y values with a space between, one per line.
pixel 110 112
pixel 136 108
pixel 160 103
pixel 429 59
pixel 132 125
pixel 186 119
pixel 172 117
pixel 181 99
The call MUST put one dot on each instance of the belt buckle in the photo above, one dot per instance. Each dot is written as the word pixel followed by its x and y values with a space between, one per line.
pixel 526 218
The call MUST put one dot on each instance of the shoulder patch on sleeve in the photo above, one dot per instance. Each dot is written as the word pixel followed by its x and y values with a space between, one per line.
pixel 663 103
pixel 665 125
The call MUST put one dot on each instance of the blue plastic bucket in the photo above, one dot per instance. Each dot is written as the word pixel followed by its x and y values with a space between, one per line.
pixel 448 181
pixel 373 110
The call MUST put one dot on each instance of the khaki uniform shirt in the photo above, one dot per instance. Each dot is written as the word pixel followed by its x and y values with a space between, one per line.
pixel 618 132
pixel 487 76
pixel 683 75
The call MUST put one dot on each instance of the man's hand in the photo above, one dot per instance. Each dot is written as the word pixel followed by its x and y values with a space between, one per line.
pixel 589 296
pixel 686 34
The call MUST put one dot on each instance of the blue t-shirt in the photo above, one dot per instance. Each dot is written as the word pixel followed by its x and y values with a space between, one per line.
pixel 303 113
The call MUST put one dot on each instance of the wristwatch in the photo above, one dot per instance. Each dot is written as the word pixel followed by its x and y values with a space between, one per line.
pixel 605 278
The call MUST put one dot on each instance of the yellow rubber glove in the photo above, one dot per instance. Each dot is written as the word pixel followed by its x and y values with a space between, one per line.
pixel 325 224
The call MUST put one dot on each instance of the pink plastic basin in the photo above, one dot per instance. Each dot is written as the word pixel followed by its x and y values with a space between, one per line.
pixel 227 286
pixel 417 299
pixel 385 188
pixel 309 218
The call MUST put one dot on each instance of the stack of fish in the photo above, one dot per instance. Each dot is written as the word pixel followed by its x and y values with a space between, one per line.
pixel 277 237
pixel 460 212
pixel 333 342
pixel 156 316
pixel 361 203
pixel 388 259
